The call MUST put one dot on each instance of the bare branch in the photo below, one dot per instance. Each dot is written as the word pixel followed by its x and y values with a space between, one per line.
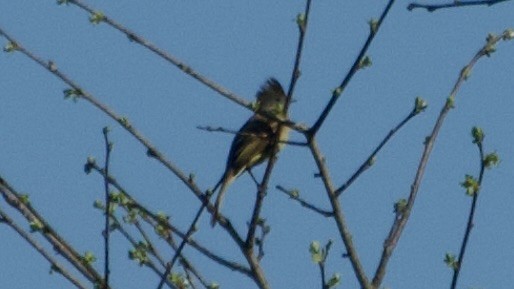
pixel 108 149
pixel 156 220
pixel 419 106
pixel 339 217
pixel 163 54
pixel 14 199
pixel 471 215
pixel 374 27
pixel 402 218
pixel 56 266
pixel 295 196
pixel 152 150
pixel 453 4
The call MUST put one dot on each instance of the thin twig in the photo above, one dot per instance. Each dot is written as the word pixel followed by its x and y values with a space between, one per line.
pixel 402 218
pixel 151 150
pixel 56 266
pixel 471 216
pixel 147 239
pixel 189 233
pixel 147 213
pixel 339 217
pixel 374 27
pixel 163 54
pixel 371 159
pixel 173 60
pixel 108 149
pixel 14 199
pixel 147 262
pixel 302 20
pixel 294 195
pixel 221 129
pixel 250 238
pixel 453 4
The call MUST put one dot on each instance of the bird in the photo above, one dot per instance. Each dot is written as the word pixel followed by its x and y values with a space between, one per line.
pixel 255 140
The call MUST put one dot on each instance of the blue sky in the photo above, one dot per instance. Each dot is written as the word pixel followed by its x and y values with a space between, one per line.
pixel 46 140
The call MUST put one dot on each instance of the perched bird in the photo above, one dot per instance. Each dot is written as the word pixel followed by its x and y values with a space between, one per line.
pixel 253 144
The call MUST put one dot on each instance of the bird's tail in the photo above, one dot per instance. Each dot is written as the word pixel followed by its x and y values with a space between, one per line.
pixel 225 181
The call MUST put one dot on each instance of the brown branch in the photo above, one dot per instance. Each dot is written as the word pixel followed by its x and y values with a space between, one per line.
pixel 374 27
pixel 148 262
pixel 13 198
pixel 402 218
pixel 189 233
pixel 295 196
pixel 56 266
pixel 163 54
pixel 156 220
pixel 152 151
pixel 434 7
pixel 419 106
pixel 339 217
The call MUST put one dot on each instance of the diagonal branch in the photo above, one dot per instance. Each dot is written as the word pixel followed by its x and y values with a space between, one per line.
pixel 402 218
pixel 293 194
pixel 156 220
pixel 163 54
pixel 152 151
pixel 56 266
pixel 374 27
pixel 419 106
pixel 13 198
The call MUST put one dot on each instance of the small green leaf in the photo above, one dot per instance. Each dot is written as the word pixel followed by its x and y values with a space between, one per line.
pixel 294 193
pixel 337 91
pixel 451 261
pixel 73 94
pixel 490 47
pixel 178 280
pixel 450 101
pixel 96 17
pixel 11 47
pixel 139 253
pixel 419 105
pixel 88 258
pixel 316 252
pixel 36 226
pixel 477 134
pixel 365 62
pixel 400 206
pixel 124 121
pixel 213 285
pixel 334 281
pixel 508 34
pixel 373 26
pixel 24 198
pixel 300 21
pixel 471 185
pixel 491 160
pixel 90 164
pixel 99 205
pixel 61 2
